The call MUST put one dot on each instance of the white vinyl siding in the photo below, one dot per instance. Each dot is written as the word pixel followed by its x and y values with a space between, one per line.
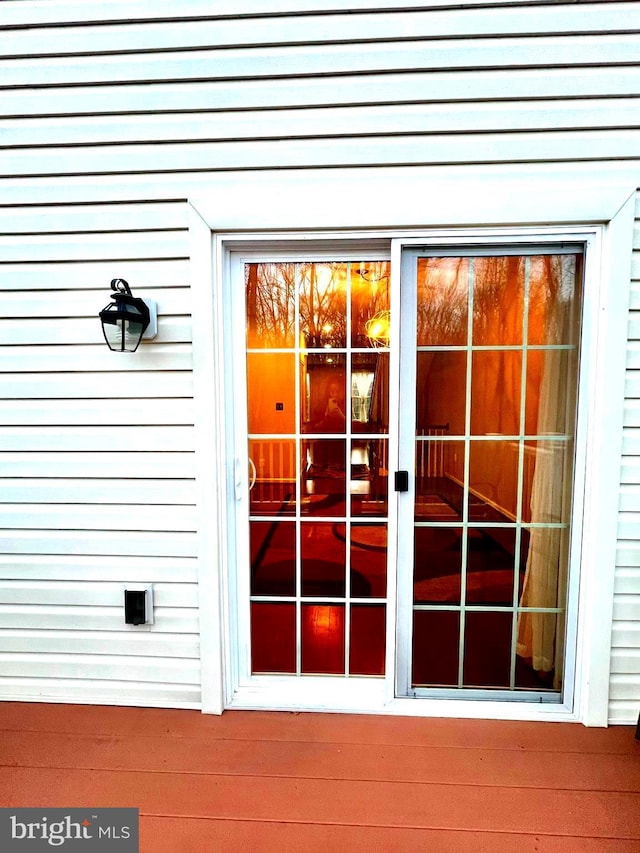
pixel 113 115
pixel 625 651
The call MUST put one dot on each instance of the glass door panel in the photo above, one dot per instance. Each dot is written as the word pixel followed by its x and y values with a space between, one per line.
pixel 317 366
pixel 494 372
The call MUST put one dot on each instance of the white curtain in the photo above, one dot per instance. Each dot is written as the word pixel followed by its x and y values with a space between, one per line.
pixel 541 635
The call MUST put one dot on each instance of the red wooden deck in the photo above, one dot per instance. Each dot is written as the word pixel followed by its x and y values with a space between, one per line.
pixel 326 782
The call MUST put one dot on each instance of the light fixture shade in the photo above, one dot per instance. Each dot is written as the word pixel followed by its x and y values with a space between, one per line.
pixel 125 319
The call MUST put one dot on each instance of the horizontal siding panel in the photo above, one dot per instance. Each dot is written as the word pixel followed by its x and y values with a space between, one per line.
pixel 92 691
pixel 627 580
pixel 625 635
pixel 627 607
pixel 320 91
pixel 71 541
pixel 80 275
pixel 88 517
pixel 635 266
pixel 312 29
pixel 309 153
pixel 632 413
pixel 130 464
pixel 630 470
pixel 33 13
pixel 295 61
pixel 83 331
pixel 625 661
pixel 623 686
pixel 634 326
pixel 633 355
pixel 628 553
pixel 102 643
pixel 78 439
pixel 103 667
pixel 249 200
pixel 85 593
pixel 98 412
pixel 623 713
pixel 175 300
pixel 167 619
pixel 282 124
pixel 60 386
pixel 79 491
pixel 629 525
pixel 632 384
pixel 66 358
pixel 106 569
pixel 98 218
pixel 634 296
pixel 631 442
pixel 629 498
pixel 108 246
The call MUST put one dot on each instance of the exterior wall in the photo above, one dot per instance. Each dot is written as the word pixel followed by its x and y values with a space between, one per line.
pixel 625 653
pixel 113 116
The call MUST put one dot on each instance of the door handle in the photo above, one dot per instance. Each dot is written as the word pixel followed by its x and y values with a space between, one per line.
pixel 401 481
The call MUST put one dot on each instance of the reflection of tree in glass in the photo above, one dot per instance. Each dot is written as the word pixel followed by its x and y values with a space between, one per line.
pixel 270 290
pixel 442 301
pixel 323 304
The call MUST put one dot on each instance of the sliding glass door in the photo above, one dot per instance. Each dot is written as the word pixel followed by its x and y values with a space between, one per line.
pixel 464 377
pixel 317 343
pixel 489 378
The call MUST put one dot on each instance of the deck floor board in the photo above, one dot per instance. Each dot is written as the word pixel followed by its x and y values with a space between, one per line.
pixel 274 781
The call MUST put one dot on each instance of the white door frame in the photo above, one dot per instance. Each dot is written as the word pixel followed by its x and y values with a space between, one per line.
pixel 610 286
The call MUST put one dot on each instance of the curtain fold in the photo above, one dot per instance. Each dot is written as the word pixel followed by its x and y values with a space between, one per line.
pixel 541 635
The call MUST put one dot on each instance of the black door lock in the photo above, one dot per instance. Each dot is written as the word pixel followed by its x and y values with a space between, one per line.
pixel 401 481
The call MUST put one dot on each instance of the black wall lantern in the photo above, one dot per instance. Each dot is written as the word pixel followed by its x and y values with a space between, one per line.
pixel 125 320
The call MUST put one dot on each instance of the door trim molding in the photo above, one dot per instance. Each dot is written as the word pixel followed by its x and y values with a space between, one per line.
pixel 209 265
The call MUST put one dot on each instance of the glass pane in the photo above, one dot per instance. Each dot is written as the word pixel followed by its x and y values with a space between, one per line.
pixel 551 391
pixel 547 481
pixel 498 300
pixel 554 299
pixel 367 640
pixel 439 478
pixel 273 557
pixel 273 637
pixel 495 392
pixel 493 480
pixel 435 648
pixel 323 557
pixel 272 476
pixel 323 305
pixel 540 650
pixel 491 560
pixel 270 303
pixel 370 304
pixel 323 378
pixel 545 569
pixel 368 560
pixel 323 643
pixel 369 477
pixel 443 301
pixel 487 649
pixel 324 486
pixel 437 565
pixel 441 385
pixel 370 392
pixel 271 392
